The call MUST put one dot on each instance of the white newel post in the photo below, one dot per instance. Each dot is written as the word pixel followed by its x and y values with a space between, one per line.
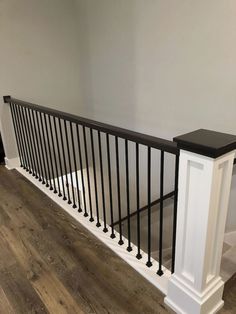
pixel 8 136
pixel 205 173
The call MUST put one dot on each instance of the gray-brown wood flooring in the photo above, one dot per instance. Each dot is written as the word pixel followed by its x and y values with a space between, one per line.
pixel 49 263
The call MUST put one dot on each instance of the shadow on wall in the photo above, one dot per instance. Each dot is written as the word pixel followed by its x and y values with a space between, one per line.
pixel 231 218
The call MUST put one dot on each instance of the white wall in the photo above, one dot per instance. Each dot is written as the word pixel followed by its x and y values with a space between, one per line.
pixel 161 67
pixel 39 55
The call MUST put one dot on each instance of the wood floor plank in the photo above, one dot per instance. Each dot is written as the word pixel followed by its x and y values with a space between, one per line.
pixel 4 303
pixel 42 240
pixel 17 288
pixel 7 258
pixel 20 293
pixel 51 291
pixel 4 218
pixel 54 295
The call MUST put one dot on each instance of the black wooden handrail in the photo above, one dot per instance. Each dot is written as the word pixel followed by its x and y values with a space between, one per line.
pixel 152 141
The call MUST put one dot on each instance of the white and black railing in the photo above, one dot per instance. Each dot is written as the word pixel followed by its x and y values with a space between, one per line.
pixel 116 177
pixel 110 174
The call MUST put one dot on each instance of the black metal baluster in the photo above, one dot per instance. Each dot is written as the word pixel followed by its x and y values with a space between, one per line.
pixel 21 136
pixel 175 213
pixel 88 177
pixel 95 178
pixel 149 263
pixel 26 146
pixel 70 168
pixel 75 163
pixel 17 135
pixel 129 248
pixel 55 159
pixel 34 146
pixel 102 182
pixel 52 181
pixel 110 186
pixel 64 158
pixel 60 163
pixel 36 132
pixel 28 141
pixel 138 256
pixel 48 179
pixel 160 272
pixel 118 189
pixel 50 167
pixel 41 139
pixel 82 173
pixel 28 120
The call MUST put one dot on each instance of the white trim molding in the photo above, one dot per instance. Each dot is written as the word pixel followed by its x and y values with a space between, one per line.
pixel 204 187
pixel 12 163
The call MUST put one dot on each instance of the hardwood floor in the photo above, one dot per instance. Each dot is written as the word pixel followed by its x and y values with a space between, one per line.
pixel 50 264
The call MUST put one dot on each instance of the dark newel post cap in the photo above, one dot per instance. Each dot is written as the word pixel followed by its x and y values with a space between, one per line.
pixel 207 143
pixel 6 99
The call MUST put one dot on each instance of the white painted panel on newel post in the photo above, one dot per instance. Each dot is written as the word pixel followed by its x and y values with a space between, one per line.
pixel 204 187
pixel 8 136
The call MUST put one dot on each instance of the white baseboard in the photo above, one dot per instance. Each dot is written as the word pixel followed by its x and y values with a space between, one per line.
pixel 183 299
pixel 130 257
pixel 12 163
